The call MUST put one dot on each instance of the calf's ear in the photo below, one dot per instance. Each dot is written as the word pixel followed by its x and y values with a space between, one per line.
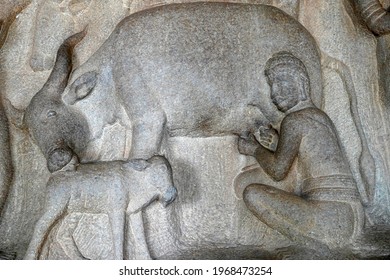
pixel 81 88
pixel 139 164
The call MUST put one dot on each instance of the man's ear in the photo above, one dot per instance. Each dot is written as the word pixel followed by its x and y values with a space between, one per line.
pixel 81 88
pixel 304 91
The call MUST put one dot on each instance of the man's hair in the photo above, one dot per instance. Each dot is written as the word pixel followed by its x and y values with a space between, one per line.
pixel 285 60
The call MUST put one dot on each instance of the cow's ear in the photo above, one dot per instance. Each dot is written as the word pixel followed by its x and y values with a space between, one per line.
pixel 81 88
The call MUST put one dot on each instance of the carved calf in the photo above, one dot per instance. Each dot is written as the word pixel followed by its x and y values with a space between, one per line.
pixel 192 70
pixel 118 189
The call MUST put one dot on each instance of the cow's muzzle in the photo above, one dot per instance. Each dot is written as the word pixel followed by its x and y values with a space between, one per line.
pixel 58 158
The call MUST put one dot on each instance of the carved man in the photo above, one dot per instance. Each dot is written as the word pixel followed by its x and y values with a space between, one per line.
pixel 326 206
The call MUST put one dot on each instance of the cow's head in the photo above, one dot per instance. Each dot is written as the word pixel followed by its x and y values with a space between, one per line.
pixel 56 126
pixel 162 178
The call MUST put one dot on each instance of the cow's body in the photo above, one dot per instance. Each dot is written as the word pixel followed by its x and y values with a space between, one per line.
pixel 197 69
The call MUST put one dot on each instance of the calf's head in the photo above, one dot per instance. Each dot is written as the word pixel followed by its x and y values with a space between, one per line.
pixel 60 130
pixel 161 178
pixel 153 181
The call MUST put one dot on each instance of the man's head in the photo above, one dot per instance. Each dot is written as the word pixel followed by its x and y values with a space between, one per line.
pixel 288 79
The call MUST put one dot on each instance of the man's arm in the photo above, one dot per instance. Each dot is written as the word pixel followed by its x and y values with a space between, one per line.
pixel 277 164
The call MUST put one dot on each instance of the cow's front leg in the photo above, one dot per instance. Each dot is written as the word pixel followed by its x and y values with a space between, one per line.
pixel 148 132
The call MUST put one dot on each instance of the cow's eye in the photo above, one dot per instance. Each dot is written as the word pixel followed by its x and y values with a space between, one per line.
pixel 51 113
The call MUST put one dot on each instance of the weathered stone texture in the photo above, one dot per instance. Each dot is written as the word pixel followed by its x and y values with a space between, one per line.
pixel 209 218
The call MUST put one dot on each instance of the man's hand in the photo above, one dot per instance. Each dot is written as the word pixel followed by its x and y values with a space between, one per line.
pixel 248 146
pixel 268 137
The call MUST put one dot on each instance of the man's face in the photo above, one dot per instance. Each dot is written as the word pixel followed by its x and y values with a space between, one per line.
pixel 284 91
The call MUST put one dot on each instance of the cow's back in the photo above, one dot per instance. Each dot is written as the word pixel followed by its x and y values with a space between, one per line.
pixel 203 63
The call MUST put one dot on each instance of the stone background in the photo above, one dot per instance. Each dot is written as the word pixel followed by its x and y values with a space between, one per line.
pixel 25 63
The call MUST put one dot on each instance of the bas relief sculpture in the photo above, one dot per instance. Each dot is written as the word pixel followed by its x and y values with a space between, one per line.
pixel 248 120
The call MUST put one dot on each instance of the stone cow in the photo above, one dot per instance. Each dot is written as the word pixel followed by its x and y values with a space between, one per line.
pixel 193 70
pixel 118 189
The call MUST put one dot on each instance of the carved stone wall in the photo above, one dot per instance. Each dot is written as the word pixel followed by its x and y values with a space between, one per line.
pixel 209 217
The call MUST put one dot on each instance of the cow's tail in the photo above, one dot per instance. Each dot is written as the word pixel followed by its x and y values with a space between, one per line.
pixel 365 175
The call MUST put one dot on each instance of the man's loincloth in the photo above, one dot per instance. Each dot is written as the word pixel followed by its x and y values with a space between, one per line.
pixel 340 188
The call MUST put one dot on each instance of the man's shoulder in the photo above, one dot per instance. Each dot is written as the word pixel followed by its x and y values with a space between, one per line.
pixel 304 116
pixel 305 113
pixel 292 120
